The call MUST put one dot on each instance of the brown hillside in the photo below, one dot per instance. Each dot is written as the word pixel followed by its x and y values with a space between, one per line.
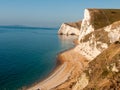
pixel 104 71
pixel 75 24
pixel 103 17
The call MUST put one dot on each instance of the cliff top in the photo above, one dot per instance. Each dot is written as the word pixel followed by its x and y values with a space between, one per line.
pixel 75 24
pixel 103 17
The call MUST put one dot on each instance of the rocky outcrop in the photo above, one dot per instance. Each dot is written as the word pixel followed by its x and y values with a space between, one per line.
pixel 96 35
pixel 70 28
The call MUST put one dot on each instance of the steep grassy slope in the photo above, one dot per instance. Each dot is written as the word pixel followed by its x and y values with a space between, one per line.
pixel 104 71
pixel 103 17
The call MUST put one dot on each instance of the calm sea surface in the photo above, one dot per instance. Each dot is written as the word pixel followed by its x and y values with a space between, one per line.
pixel 28 55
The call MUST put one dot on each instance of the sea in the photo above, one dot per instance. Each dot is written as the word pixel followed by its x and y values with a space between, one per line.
pixel 29 54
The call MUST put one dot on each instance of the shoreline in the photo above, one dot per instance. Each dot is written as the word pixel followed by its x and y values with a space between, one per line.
pixel 58 65
pixel 71 64
pixel 41 80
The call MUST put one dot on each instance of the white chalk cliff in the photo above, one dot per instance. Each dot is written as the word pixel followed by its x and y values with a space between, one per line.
pixel 93 41
pixel 86 26
pixel 70 28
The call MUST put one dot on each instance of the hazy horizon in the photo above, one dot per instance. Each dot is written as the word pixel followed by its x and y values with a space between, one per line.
pixel 44 13
pixel 26 26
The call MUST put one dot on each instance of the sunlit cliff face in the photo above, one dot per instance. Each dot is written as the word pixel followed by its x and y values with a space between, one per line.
pixel 87 16
pixel 86 26
pixel 92 42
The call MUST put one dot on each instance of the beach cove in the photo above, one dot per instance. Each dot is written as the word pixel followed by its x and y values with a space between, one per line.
pixel 66 74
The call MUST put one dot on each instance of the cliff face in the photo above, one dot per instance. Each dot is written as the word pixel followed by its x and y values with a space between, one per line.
pixel 96 35
pixel 95 19
pixel 98 18
pixel 70 28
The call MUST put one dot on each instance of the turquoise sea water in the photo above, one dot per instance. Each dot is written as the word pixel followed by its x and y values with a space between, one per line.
pixel 28 55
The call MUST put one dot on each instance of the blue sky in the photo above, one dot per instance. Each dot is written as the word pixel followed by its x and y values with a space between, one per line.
pixel 48 13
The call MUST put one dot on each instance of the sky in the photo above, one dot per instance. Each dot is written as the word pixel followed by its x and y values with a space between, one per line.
pixel 48 13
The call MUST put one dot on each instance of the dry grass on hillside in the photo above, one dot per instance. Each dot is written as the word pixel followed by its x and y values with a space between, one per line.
pixel 104 71
pixel 103 17
pixel 75 24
